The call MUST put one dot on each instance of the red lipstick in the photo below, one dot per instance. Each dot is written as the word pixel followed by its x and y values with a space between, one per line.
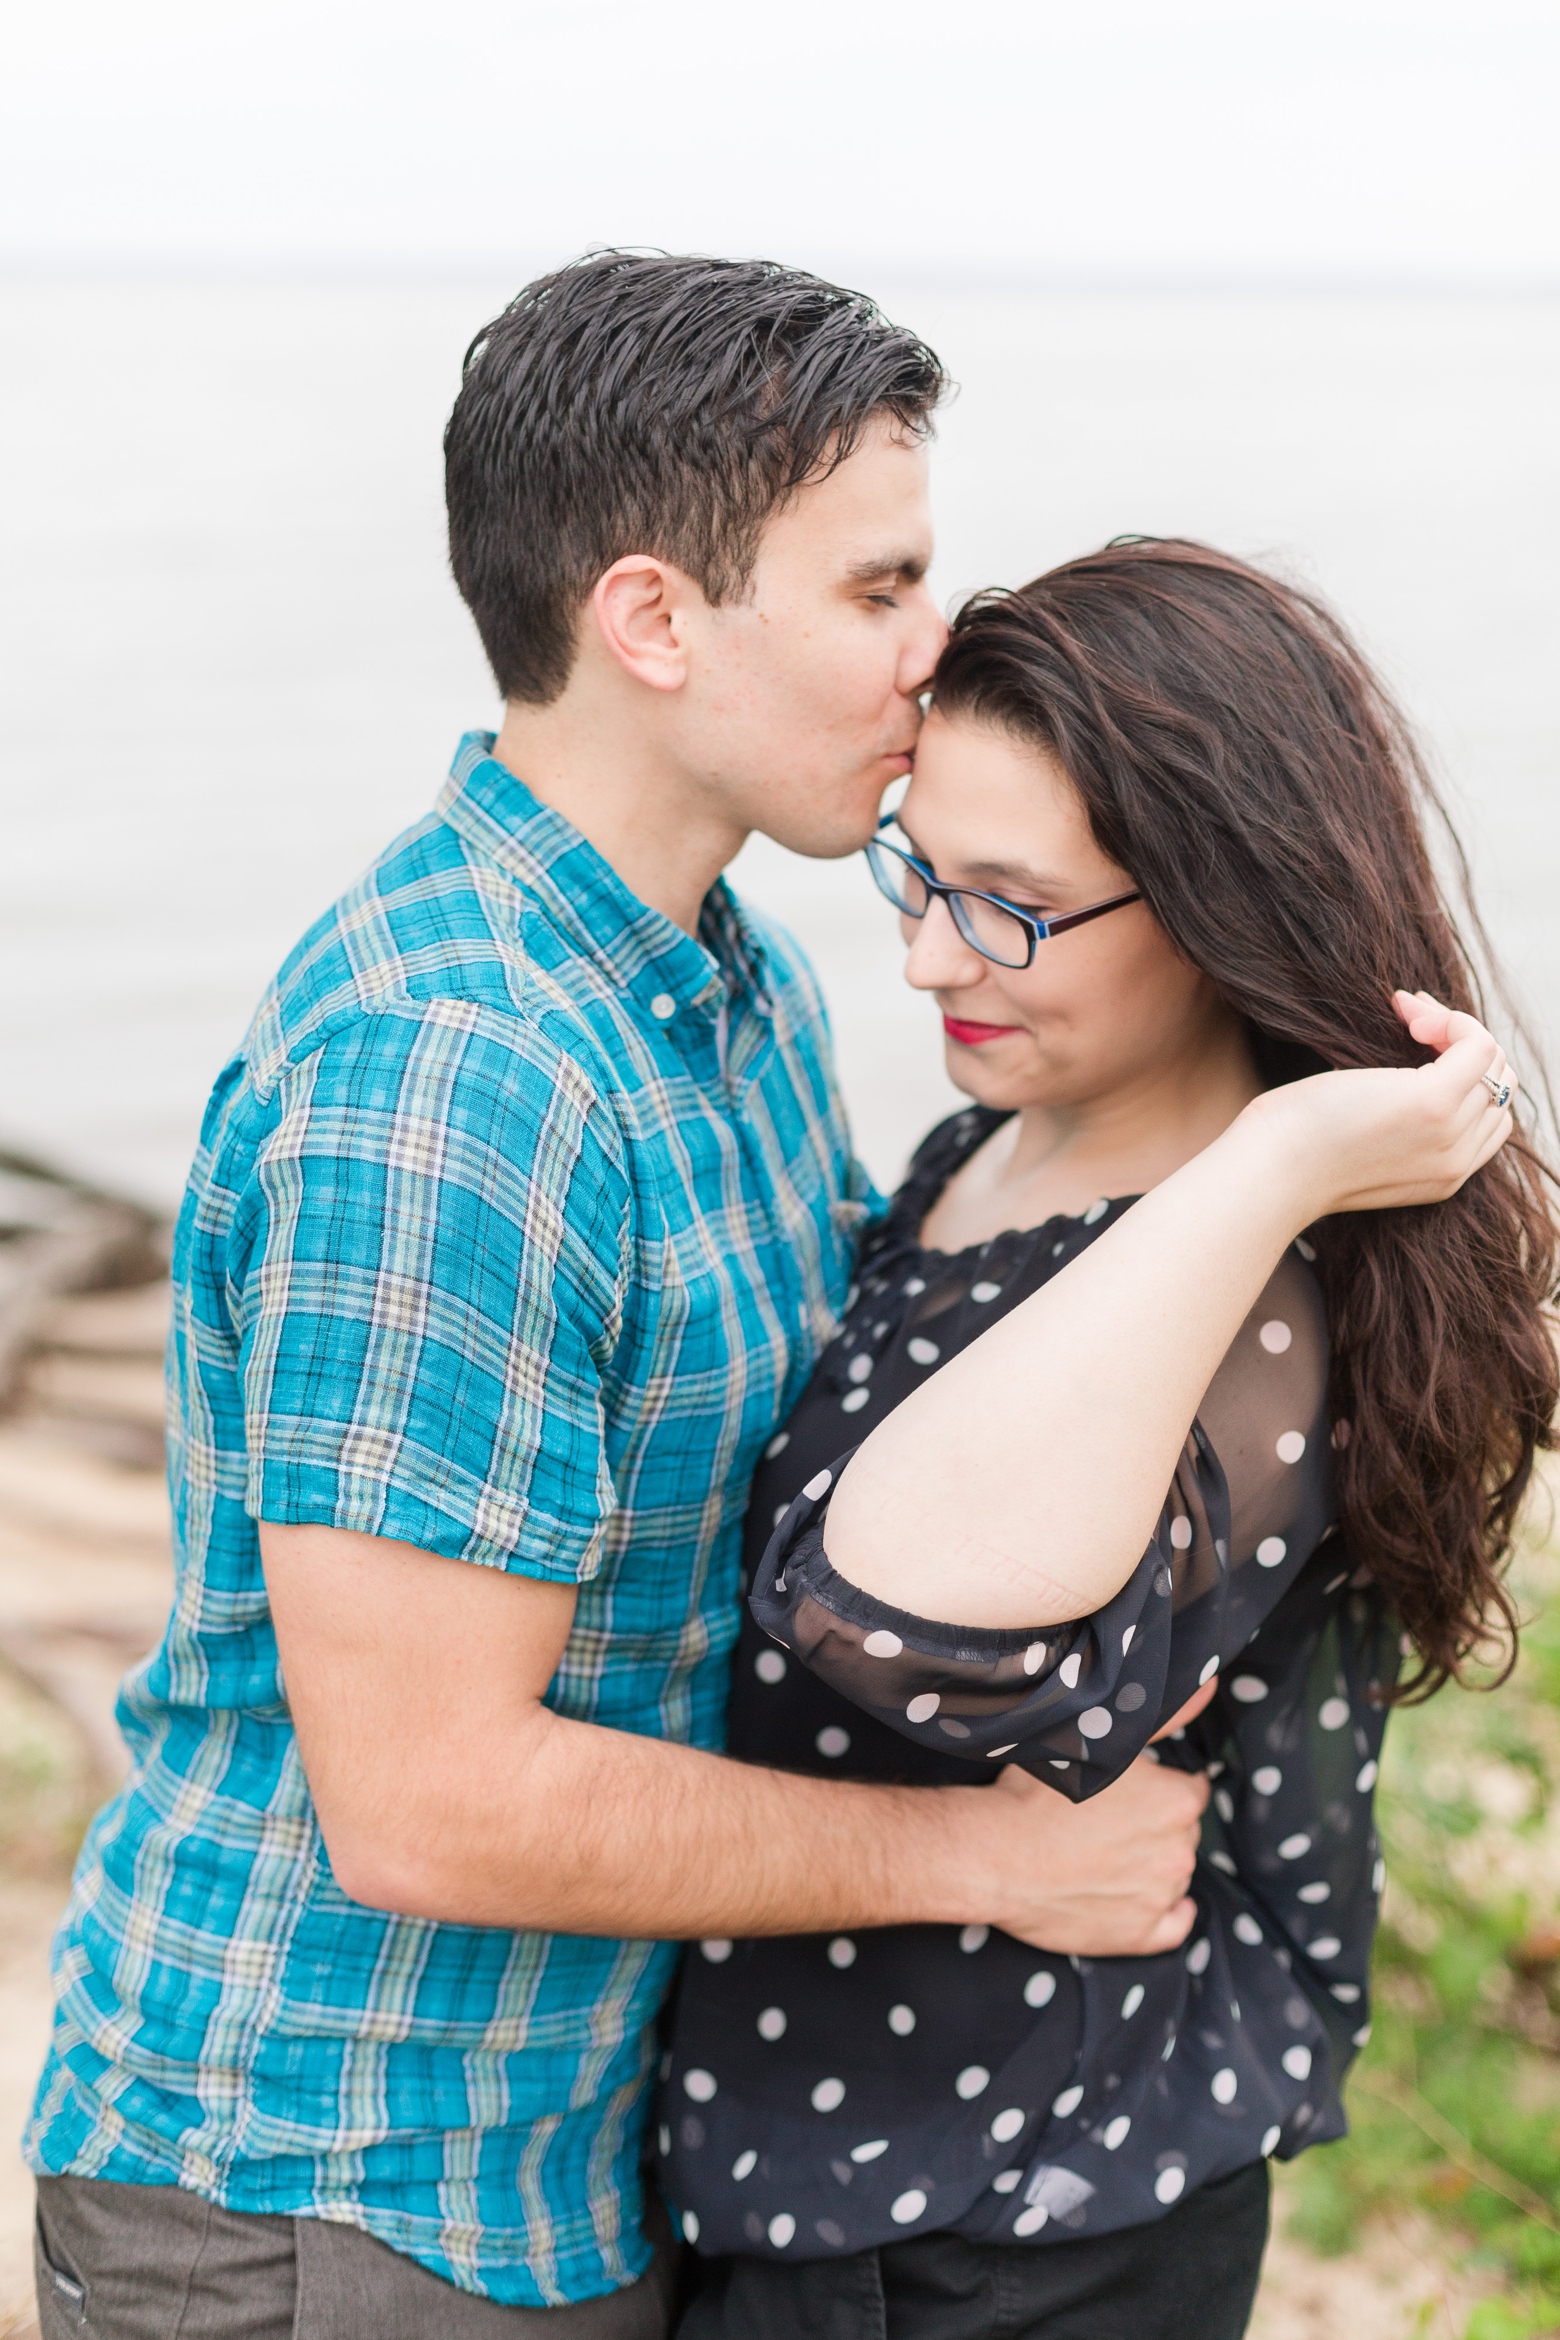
pixel 972 1035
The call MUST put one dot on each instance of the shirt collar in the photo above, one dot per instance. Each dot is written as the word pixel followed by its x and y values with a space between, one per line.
pixel 639 949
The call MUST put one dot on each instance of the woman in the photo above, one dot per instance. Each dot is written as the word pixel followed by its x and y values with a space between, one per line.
pixel 1161 860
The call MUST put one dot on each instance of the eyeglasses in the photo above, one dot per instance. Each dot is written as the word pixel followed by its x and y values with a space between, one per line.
pixel 1000 931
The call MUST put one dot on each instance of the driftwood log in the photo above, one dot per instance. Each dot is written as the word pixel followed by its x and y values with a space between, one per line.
pixel 84 1557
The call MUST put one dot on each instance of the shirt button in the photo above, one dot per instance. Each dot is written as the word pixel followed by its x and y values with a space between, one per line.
pixel 662 1006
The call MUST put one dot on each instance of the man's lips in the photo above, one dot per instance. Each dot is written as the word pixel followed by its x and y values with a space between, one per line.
pixel 971 1035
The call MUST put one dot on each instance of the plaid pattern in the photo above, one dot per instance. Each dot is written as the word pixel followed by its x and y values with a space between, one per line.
pixel 515 1227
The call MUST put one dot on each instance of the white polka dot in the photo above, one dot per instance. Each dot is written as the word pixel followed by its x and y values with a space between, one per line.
pixel 1170 2185
pixel 1198 1956
pixel 1247 1930
pixel 771 2024
pixel 832 1742
pixel 859 1369
pixel 1223 2086
pixel 870 2151
pixel 818 1485
pixel 1297 2062
pixel 717 1949
pixel 1293 1846
pixel 1067 2102
pixel 1030 2221
pixel 1007 2181
pixel 1268 1780
pixel 1116 2132
pixel 780 1511
pixel 1362 2035
pixel 922 1352
pixel 972 2080
pixel 781 2228
pixel 1291 1446
pixel 662 1006
pixel 842 1952
pixel 1345 1993
pixel 1040 1989
pixel 923 1708
pixel 1221 1860
pixel 777 1444
pixel 1094 1722
pixel 1248 1688
pixel 1333 1713
pixel 1365 1779
pixel 1208 1672
pixel 690 2225
pixel 907 2206
pixel 914 1287
pixel 1270 2140
pixel 1224 1805
pixel 901 2021
pixel 769 1666
pixel 1007 2124
pixel 1306 1251
pixel 744 2165
pixel 1271 1551
pixel 1127 1640
pixel 1070 1668
pixel 663 2138
pixel 1325 1946
pixel 974 1937
pixel 984 1292
pixel 1095 1212
pixel 1378 1876
pixel 1131 2003
pixel 1034 1657
pixel 1313 1894
pixel 1181 1533
pixel 699 2085
pixel 882 1644
pixel 855 1401
pixel 993 1752
pixel 828 2096
pixel 1275 1336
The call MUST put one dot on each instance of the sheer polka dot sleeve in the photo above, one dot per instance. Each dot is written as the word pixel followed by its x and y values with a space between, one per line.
pixel 1075 1703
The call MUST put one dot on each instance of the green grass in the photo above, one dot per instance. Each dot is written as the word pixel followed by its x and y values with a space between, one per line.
pixel 1455 2103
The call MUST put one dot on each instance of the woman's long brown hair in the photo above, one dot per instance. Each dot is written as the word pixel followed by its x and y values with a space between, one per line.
pixel 1237 756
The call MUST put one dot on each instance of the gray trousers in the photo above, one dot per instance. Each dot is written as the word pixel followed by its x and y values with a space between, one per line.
pixel 117 2262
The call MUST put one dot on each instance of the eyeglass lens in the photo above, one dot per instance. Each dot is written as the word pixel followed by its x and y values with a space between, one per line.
pixel 993 932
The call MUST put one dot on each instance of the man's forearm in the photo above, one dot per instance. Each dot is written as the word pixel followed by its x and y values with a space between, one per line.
pixel 576 1829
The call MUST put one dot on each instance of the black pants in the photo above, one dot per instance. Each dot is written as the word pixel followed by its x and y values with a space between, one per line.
pixel 1191 2275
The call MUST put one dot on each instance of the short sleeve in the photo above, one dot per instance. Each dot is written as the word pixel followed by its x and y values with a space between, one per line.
pixel 426 1276
pixel 1076 1703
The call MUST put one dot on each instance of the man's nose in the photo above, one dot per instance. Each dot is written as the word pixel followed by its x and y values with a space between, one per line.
pixel 924 646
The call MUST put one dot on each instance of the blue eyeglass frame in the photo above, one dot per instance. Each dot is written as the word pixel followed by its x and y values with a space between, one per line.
pixel 1037 930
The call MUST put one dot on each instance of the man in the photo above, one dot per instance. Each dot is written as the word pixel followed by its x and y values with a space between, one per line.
pixel 515 1227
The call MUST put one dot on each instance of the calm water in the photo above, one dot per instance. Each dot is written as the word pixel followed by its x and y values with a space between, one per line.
pixel 235 666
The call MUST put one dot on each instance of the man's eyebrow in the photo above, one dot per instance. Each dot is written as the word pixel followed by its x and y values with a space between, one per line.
pixel 910 566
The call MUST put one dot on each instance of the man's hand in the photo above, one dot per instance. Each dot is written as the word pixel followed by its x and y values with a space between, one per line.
pixel 1108 1877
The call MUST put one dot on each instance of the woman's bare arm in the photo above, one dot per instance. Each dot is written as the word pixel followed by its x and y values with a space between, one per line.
pixel 1021 1485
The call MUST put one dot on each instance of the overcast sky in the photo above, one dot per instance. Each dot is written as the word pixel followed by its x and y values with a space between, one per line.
pixel 1381 140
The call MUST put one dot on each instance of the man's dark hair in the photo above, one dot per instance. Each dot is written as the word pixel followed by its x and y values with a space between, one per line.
pixel 644 403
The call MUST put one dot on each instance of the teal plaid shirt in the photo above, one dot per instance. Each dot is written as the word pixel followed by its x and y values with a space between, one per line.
pixel 515 1227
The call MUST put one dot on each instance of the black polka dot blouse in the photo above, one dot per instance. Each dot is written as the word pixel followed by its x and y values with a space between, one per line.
pixel 823 2094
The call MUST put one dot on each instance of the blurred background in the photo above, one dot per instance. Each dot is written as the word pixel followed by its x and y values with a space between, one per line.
pixel 1285 277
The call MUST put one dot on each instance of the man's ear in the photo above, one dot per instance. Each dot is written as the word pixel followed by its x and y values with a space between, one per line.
pixel 641 610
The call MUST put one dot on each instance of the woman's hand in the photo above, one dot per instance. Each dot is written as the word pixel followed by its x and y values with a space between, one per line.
pixel 1377 1140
